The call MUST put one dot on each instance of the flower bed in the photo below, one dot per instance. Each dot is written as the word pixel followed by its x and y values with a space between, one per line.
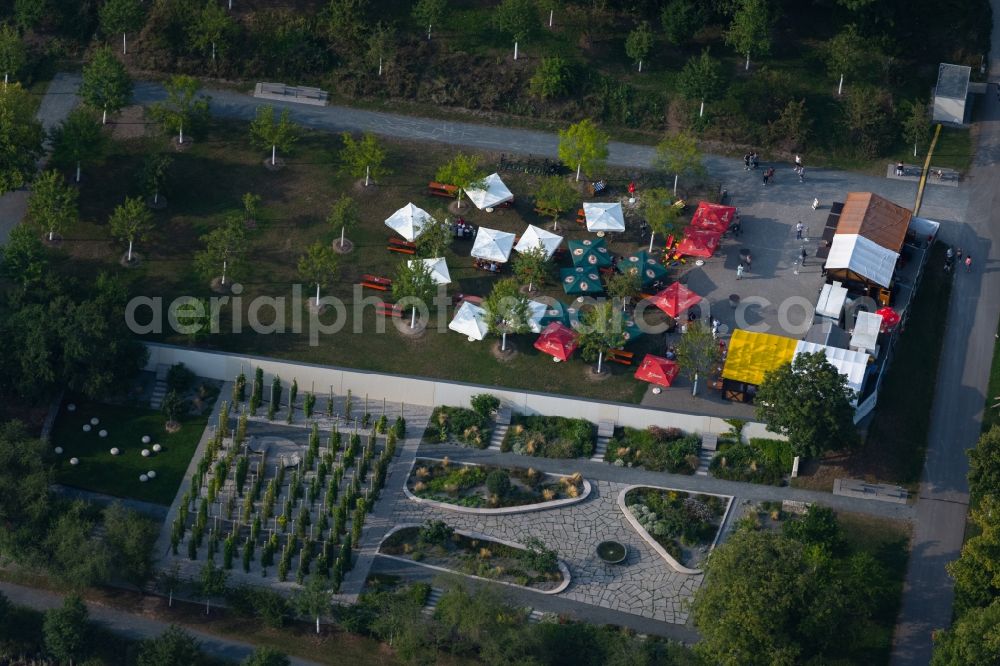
pixel 550 437
pixel 458 425
pixel 765 461
pixel 487 486
pixel 656 449
pixel 437 544
pixel 683 523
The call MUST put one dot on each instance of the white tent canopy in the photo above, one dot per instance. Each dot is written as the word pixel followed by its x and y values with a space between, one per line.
pixel 536 311
pixel 437 267
pixel 604 216
pixel 862 256
pixel 493 245
pixel 534 237
pixel 408 221
pixel 831 300
pixel 866 329
pixel 493 194
pixel 851 364
pixel 470 321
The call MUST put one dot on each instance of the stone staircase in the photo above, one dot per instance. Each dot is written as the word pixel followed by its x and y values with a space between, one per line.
pixel 500 431
pixel 535 616
pixel 160 388
pixel 605 431
pixel 709 444
pixel 432 601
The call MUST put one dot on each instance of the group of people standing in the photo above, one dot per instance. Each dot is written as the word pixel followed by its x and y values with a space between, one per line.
pixel 751 161
pixel 952 257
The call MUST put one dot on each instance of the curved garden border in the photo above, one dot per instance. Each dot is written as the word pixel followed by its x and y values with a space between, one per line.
pixel 563 569
pixel 505 510
pixel 653 543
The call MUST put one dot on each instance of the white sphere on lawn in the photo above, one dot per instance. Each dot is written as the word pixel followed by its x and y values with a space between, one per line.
pixel 103 433
pixel 115 451
pixel 143 478
pixel 87 427
pixel 157 448
pixel 59 450
pixel 145 453
pixel 151 474
pixel 145 439
pixel 74 461
pixel 71 407
pixel 95 421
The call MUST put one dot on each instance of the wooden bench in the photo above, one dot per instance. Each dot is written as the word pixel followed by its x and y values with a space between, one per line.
pixel 400 242
pixel 442 190
pixel 619 356
pixel 458 299
pixel 388 310
pixel 376 282
pixel 402 249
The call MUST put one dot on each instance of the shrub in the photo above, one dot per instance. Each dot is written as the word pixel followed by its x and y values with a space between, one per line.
pixel 498 483
pixel 457 423
pixel 554 77
pixel 435 533
pixel 656 449
pixel 179 378
pixel 763 461
pixel 484 404
pixel 550 437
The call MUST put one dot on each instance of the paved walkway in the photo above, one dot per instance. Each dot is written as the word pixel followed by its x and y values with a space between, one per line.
pixel 134 627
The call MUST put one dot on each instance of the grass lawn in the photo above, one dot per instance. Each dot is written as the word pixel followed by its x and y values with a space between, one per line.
pixel 119 475
pixel 207 184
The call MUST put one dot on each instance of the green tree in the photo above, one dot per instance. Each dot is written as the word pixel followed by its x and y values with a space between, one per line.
pixel 131 221
pixel 866 119
pixel 435 237
pixel 130 539
pixel 29 13
pixel 173 406
pixel 121 17
pixel 364 157
pixel 554 77
pixel 183 106
pixel 622 287
pixel 661 215
pixel 25 504
pixel 556 195
pixel 268 133
pixel 211 583
pixel 20 138
pixel 808 400
pixel 251 209
pixel 381 46
pixel 973 639
pixel 845 54
pixel 429 13
pixel 12 56
pixel 23 259
pixel 678 154
pixel 681 19
pixel 345 20
pixel 319 265
pixel 462 171
pixel 154 174
pixel 66 630
pixel 313 600
pixel 106 86
pixel 344 214
pixel 639 43
pixel 750 29
pixel 977 570
pixel 225 246
pixel 77 140
pixel 171 648
pixel 916 124
pixel 790 130
pixel 603 328
pixel 984 464
pixel 518 19
pixel 211 28
pixel 52 204
pixel 700 79
pixel 583 147
pixel 414 283
pixel 532 267
pixel 77 557
pixel 697 352
pixel 506 311
pixel 265 656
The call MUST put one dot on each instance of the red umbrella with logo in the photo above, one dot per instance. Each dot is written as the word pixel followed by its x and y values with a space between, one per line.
pixel 557 340
pixel 713 217
pixel 675 299
pixel 698 242
pixel 657 370
pixel 889 318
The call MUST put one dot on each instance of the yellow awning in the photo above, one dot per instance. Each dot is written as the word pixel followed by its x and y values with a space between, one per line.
pixel 752 355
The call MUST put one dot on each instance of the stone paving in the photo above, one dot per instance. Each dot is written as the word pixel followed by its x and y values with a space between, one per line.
pixel 643 585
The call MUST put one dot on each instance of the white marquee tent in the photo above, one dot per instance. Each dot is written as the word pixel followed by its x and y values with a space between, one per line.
pixel 604 216
pixel 470 321
pixel 493 245
pixel 851 364
pixel 537 237
pixel 862 257
pixel 438 269
pixel 831 300
pixel 408 221
pixel 494 193
pixel 866 330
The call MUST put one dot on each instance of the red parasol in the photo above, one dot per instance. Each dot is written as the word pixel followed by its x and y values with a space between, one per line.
pixel 675 299
pixel 713 217
pixel 557 340
pixel 698 242
pixel 657 370
pixel 889 317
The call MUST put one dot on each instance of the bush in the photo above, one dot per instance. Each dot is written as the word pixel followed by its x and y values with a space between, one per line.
pixel 656 449
pixel 550 437
pixel 179 378
pixel 435 533
pixel 484 404
pixel 498 483
pixel 459 424
pixel 554 77
pixel 763 461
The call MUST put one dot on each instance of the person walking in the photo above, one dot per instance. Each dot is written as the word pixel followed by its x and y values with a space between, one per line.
pixel 968 263
pixel 748 260
pixel 739 271
pixel 766 176
pixel 958 255
pixel 754 159
pixel 803 256
pixel 798 161
pixel 798 230
pixel 770 174
pixel 746 161
pixel 802 174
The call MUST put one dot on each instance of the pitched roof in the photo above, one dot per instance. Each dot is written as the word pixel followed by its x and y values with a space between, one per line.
pixel 874 218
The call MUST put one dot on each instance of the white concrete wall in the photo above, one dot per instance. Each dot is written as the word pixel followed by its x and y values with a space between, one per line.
pixel 418 391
